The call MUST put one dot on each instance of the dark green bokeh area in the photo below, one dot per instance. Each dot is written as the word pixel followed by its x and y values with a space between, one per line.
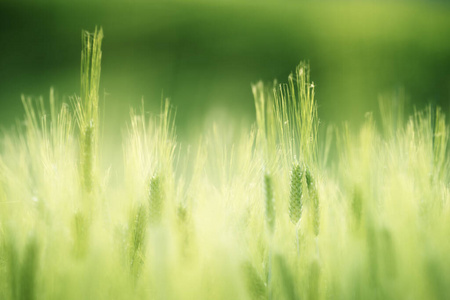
pixel 204 56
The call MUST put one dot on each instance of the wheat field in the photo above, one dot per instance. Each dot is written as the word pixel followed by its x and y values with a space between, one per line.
pixel 283 209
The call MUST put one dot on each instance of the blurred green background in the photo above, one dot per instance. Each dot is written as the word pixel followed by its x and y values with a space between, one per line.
pixel 205 55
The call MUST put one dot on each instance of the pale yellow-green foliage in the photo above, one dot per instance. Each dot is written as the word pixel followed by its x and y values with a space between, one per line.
pixel 149 153
pixel 211 220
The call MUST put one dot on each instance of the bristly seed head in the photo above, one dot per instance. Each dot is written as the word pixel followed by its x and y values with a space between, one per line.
pixel 314 197
pixel 270 205
pixel 138 225
pixel 155 199
pixel 296 194
pixel 87 157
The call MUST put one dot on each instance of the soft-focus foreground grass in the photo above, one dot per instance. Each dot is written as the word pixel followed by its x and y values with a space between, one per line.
pixel 275 211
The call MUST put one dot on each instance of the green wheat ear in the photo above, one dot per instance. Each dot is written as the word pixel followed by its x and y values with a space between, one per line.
pixel 155 199
pixel 296 194
pixel 86 107
pixel 87 157
pixel 270 202
pixel 184 227
pixel 138 226
pixel 314 197
pixel 255 285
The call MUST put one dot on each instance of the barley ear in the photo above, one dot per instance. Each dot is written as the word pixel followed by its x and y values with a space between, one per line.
pixel 184 228
pixel 87 157
pixel 270 202
pixel 138 226
pixel 314 197
pixel 86 108
pixel 296 194
pixel 155 199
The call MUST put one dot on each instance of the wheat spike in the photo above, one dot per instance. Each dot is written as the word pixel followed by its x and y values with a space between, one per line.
pixel 270 201
pixel 314 197
pixel 138 225
pixel 155 199
pixel 86 108
pixel 296 194
pixel 87 157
